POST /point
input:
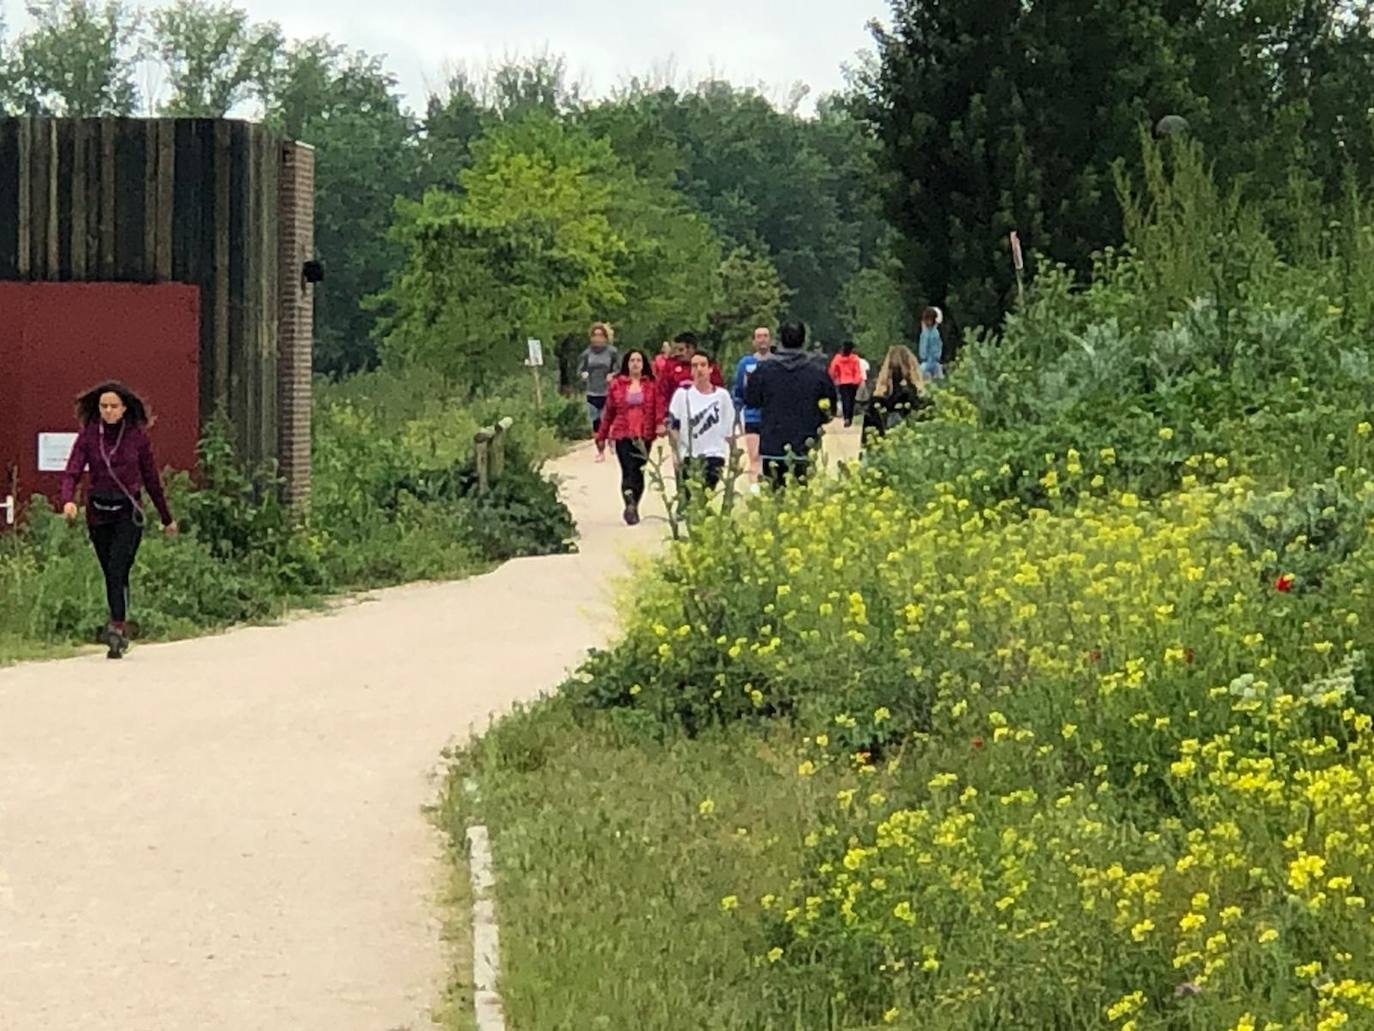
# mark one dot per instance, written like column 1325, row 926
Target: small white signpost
column 53, row 451
column 535, row 361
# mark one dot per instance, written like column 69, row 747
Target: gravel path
column 226, row 834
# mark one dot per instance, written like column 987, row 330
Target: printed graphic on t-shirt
column 704, row 422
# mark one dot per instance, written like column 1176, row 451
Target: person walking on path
column 596, row 366
column 931, row 347
column 701, row 422
column 751, row 417
column 677, row 373
column 796, row 397
column 113, row 445
column 896, row 394
column 631, row 420
column 848, row 374
column 663, row 359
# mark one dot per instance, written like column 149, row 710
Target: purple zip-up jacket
column 131, row 461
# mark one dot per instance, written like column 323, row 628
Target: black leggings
column 848, row 392
column 116, row 545
column 596, row 407
column 633, row 455
column 706, row 471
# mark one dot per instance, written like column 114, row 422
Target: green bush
column 394, row 500
column 521, row 516
column 1074, row 668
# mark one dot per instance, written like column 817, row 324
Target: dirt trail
column 226, row 834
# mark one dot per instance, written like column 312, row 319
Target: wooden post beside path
column 490, row 453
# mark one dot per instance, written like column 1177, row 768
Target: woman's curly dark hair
column 88, row 404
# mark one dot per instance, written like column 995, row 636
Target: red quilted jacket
column 623, row 421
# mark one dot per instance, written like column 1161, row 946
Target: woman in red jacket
column 632, row 418
column 848, row 376
column 113, row 444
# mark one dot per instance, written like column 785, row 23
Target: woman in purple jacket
column 113, row 445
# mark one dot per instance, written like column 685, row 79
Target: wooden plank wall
column 160, row 200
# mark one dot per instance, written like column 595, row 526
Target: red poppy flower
column 1094, row 656
column 978, row 742
column 1284, row 584
column 1189, row 655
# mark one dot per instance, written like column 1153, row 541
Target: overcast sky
column 769, row 43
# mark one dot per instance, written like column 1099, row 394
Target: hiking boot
column 116, row 641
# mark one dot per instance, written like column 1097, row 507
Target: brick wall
column 296, row 223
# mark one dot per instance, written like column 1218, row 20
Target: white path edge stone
column 486, row 936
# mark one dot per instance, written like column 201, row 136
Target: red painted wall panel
column 58, row 340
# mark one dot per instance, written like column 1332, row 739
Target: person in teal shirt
column 930, row 350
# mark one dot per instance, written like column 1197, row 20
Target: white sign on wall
column 53, row 451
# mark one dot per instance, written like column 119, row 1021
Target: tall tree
column 457, row 115
column 1286, row 86
column 526, row 249
column 876, row 314
column 1008, row 114
column 78, row 58
column 749, row 294
column 345, row 104
column 537, row 84
column 669, row 263
column 215, row 57
column 790, row 189
column 8, row 85
column 546, row 232
column 454, row 120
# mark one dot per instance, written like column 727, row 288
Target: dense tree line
column 997, row 115
column 509, row 205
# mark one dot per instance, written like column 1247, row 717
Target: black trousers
column 691, row 471
column 777, row 471
column 596, row 406
column 848, row 392
column 116, row 545
column 633, row 456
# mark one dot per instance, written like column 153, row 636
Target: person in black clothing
column 896, row 394
column 796, row 397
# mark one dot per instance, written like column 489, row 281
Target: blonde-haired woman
column 897, row 393
column 596, row 366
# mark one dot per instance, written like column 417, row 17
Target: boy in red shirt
column 677, row 371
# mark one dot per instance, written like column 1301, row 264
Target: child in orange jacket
column 848, row 376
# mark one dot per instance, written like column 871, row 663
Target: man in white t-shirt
column 701, row 422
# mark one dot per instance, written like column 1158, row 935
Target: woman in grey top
column 596, row 366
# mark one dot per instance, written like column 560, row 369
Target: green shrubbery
column 394, row 500
column 1055, row 715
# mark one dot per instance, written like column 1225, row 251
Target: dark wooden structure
column 224, row 206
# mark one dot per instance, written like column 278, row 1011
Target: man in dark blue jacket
column 795, row 397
